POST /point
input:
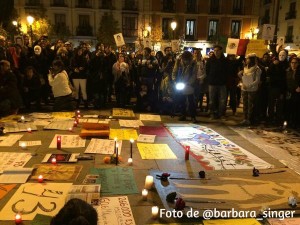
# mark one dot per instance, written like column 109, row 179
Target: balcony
column 83, row 5
column 214, row 10
column 289, row 39
column 237, row 11
column 84, row 31
column 130, row 5
column 60, row 4
column 192, row 10
column 291, row 15
column 130, row 32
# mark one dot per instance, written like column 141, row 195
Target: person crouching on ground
column 59, row 81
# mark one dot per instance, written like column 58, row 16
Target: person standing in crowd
column 109, row 60
column 262, row 94
column 147, row 68
column 217, row 73
column 79, row 67
column 120, row 71
column 250, row 77
column 185, row 71
column 234, row 67
column 201, row 87
column 76, row 212
column 96, row 80
column 292, row 111
column 277, row 88
column 10, row 99
column 41, row 64
column 32, row 88
column 60, row 83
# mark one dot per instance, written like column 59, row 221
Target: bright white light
column 180, row 86
column 173, row 25
column 30, row 20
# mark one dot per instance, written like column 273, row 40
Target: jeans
column 217, row 100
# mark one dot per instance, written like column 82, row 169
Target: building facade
column 205, row 20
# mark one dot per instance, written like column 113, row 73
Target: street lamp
column 254, row 32
column 30, row 20
column 173, row 26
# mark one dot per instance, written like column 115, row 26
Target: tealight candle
column 77, row 112
column 144, row 194
column 148, row 182
column 58, row 142
column 70, row 129
column 53, row 160
column 40, row 179
column 75, row 123
column 18, row 219
column 22, row 119
column 29, row 130
column 130, row 161
column 155, row 210
column 284, row 124
column 23, row 145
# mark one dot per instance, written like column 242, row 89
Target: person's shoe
column 245, row 123
column 194, row 120
column 182, row 118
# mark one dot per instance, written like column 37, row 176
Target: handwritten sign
column 68, row 141
column 116, row 181
column 155, row 151
column 13, row 160
column 60, row 125
column 33, row 198
column 131, row 123
column 122, row 113
column 150, row 117
column 18, row 127
column 115, row 211
column 102, row 146
column 123, row 134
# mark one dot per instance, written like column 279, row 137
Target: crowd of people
column 33, row 76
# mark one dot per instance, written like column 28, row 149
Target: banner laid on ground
column 214, row 151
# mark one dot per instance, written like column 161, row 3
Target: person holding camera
column 184, row 76
column 59, row 81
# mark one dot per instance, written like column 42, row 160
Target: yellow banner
column 122, row 113
column 251, row 221
column 257, row 46
column 63, row 115
column 155, row 151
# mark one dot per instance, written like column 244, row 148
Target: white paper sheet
column 10, row 140
column 103, row 146
column 68, row 141
column 15, row 176
column 30, row 143
column 150, row 117
column 131, row 123
column 13, row 159
column 60, row 125
column 146, row 138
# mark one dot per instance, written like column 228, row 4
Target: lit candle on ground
column 148, row 182
column 23, row 145
column 58, row 142
column 144, row 194
column 22, row 119
column 187, row 153
column 77, row 112
column 155, row 210
column 18, row 219
column 29, row 130
column 117, row 155
column 131, row 142
column 53, row 160
column 130, row 161
column 70, row 129
column 75, row 123
column 115, row 148
column 40, row 179
column 284, row 124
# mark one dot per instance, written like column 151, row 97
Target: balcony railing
column 84, row 5
column 291, row 15
column 59, row 4
column 130, row 32
column 84, row 31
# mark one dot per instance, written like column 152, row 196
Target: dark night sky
column 6, row 9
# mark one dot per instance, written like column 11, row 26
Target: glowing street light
column 173, row 26
column 30, row 21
